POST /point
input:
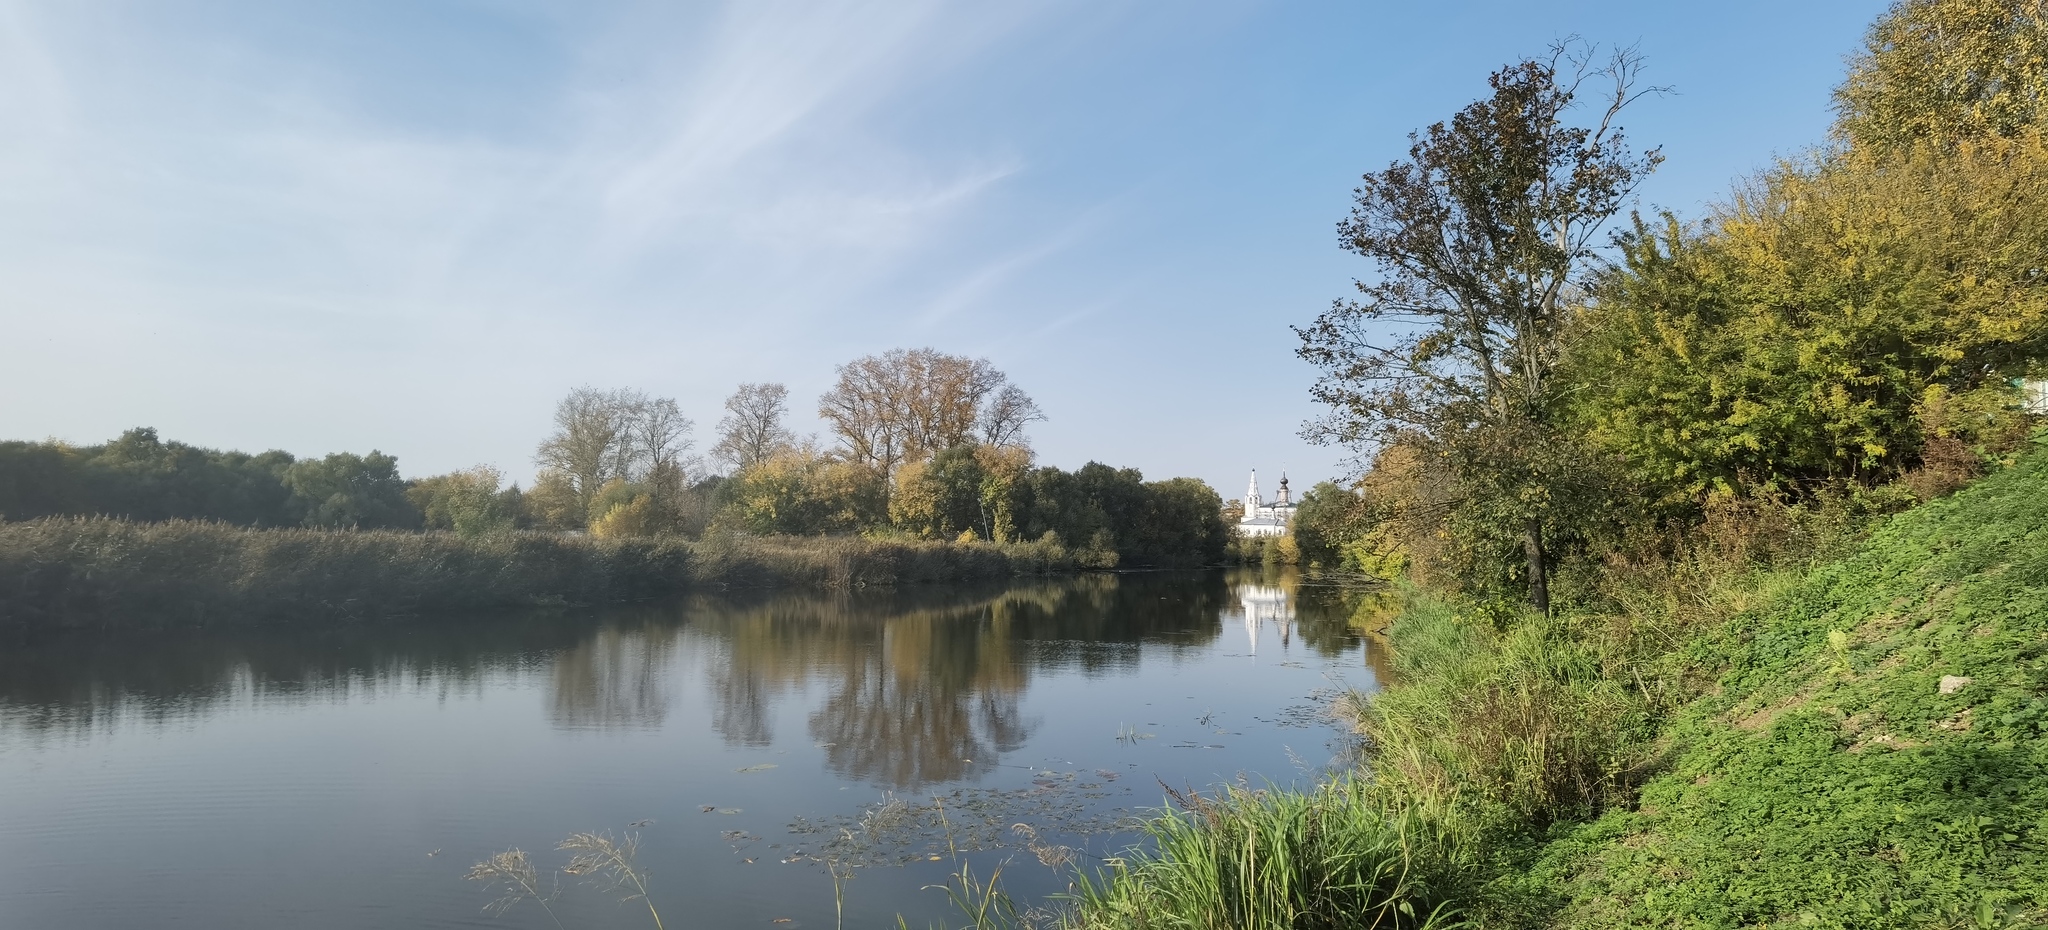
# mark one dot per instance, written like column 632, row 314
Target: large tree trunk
column 1539, row 566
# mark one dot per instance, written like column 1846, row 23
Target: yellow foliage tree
column 631, row 518
column 1939, row 72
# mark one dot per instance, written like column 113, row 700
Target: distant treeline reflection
column 915, row 682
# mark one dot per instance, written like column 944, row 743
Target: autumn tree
column 619, row 435
column 1482, row 238
column 803, row 491
column 908, row 404
column 1938, row 72
column 1834, row 321
column 1006, row 415
column 662, row 435
column 553, row 504
column 967, row 488
column 753, row 427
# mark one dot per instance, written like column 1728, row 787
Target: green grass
column 1824, row 779
column 1333, row 857
column 116, row 574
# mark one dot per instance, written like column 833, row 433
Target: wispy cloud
column 744, row 140
column 390, row 208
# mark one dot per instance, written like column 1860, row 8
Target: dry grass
column 597, row 859
column 60, row 571
column 512, row 875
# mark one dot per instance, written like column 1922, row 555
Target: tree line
column 922, row 444
column 1532, row 388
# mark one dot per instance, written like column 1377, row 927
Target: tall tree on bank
column 905, row 405
column 752, row 429
column 1006, row 415
column 619, row 435
column 1481, row 237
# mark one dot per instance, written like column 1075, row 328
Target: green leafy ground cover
column 1826, row 779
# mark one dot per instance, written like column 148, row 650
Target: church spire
column 1251, row 495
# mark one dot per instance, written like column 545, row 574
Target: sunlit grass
column 1332, row 857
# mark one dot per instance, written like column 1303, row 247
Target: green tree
column 1826, row 324
column 1328, row 519
column 349, row 491
column 1481, row 238
column 1180, row 522
column 468, row 502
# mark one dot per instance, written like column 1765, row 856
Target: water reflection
column 1331, row 616
column 615, row 677
column 903, row 688
column 919, row 690
column 1260, row 605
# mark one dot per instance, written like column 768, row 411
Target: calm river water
column 754, row 744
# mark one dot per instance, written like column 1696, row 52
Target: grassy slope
column 1826, row 781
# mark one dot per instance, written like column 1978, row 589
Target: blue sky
column 413, row 225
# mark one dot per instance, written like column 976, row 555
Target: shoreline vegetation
column 71, row 572
column 929, row 478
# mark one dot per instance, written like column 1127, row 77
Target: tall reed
column 1333, row 857
column 90, row 571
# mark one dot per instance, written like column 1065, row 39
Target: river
column 756, row 745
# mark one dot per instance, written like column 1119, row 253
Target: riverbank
column 95, row 572
column 1853, row 741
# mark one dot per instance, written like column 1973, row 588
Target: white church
column 1264, row 518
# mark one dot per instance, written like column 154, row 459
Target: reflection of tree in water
column 77, row 684
column 923, row 685
column 913, row 680
column 739, row 714
column 895, row 728
column 613, row 678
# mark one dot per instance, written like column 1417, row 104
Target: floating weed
column 896, row 830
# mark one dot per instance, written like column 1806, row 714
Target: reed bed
column 110, row 573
